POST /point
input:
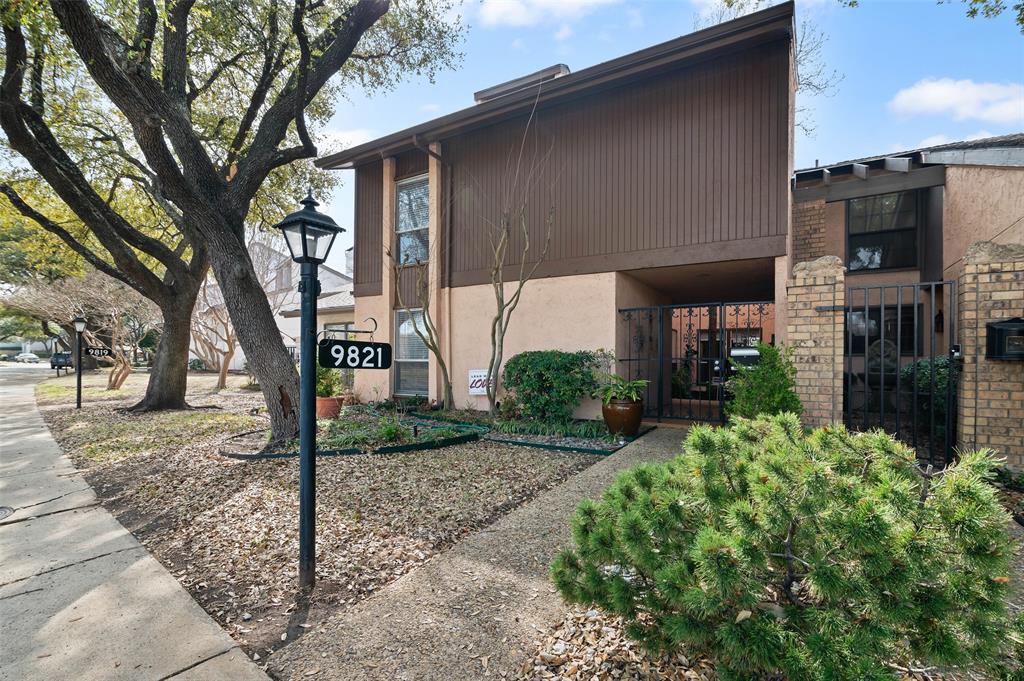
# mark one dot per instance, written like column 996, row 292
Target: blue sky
column 914, row 72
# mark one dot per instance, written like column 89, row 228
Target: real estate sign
column 478, row 381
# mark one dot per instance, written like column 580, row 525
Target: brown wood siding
column 410, row 164
column 691, row 166
column 369, row 216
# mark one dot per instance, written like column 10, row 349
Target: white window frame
column 397, row 359
column 425, row 229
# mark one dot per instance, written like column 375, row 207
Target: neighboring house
column 902, row 224
column 666, row 173
column 280, row 277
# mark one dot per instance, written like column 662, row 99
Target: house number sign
column 353, row 354
column 98, row 352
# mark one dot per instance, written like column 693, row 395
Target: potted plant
column 622, row 404
column 328, row 405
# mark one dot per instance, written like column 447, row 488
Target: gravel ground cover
column 227, row 529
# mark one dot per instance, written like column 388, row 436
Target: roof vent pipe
column 521, row 83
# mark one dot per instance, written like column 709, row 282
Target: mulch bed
column 228, row 529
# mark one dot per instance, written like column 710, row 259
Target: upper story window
column 881, row 231
column 412, row 217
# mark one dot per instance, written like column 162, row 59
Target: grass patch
column 120, row 436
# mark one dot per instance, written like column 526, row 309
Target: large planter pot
column 623, row 416
column 328, row 407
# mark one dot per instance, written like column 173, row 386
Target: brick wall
column 816, row 294
column 808, row 230
column 990, row 412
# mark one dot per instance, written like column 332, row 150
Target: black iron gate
column 684, row 353
column 901, row 364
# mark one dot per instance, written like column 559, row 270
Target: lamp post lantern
column 309, row 235
column 80, row 324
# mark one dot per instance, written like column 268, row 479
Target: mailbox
column 1005, row 339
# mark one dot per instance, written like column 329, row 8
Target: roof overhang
column 771, row 24
column 297, row 312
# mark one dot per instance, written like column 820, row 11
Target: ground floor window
column 410, row 361
column 898, row 326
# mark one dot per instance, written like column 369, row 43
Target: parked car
column 27, row 358
column 6, row 358
column 61, row 360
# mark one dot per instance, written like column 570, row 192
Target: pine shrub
column 766, row 387
column 821, row 556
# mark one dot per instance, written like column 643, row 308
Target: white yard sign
column 478, row 381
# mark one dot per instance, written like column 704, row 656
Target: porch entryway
column 901, row 364
column 684, row 352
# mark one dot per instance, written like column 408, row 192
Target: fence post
column 816, row 302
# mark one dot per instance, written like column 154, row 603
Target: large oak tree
column 216, row 95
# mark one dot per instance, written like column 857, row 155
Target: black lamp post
column 309, row 235
column 80, row 325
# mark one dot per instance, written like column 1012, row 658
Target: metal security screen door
column 684, row 351
column 900, row 372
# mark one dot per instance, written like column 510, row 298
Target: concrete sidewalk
column 80, row 598
column 473, row 611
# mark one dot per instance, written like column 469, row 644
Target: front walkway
column 80, row 598
column 474, row 610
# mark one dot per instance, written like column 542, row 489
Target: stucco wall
column 559, row 313
column 980, row 204
column 373, row 384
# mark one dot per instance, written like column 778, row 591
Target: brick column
column 990, row 409
column 809, row 230
column 816, row 296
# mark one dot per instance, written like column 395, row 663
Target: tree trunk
column 169, row 375
column 256, row 331
column 225, row 365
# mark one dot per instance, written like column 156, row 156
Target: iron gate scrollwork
column 684, row 352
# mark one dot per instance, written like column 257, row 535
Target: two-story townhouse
column 665, row 174
column 916, row 295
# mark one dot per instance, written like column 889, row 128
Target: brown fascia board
column 773, row 23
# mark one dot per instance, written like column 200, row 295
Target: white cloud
column 533, row 12
column 935, row 140
column 517, row 44
column 430, row 107
column 336, row 140
column 963, row 100
column 564, row 32
column 634, row 18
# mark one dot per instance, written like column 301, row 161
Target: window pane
column 412, row 247
column 413, row 205
column 410, row 346
column 899, row 324
column 873, row 251
column 411, row 378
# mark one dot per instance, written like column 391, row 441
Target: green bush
column 548, row 385
column 328, row 381
column 810, row 557
column 947, row 376
column 766, row 387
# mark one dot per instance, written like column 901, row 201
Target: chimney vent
column 521, row 83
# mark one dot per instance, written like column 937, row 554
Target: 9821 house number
column 353, row 354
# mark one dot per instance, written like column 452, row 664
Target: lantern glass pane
column 293, row 237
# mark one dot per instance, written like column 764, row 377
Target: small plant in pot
column 622, row 404
column 328, row 382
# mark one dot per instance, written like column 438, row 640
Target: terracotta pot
column 328, row 407
column 623, row 416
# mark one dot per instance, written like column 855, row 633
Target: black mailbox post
column 1005, row 339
